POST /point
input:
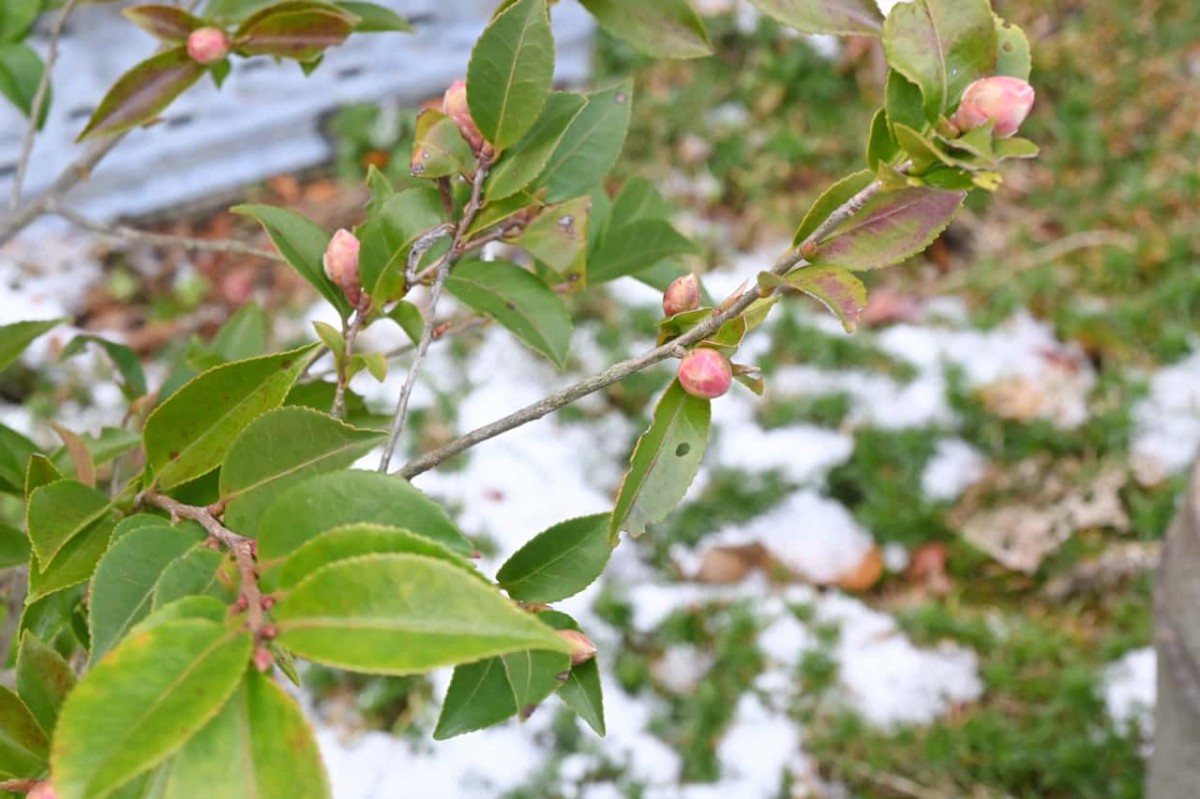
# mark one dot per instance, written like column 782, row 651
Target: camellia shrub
column 181, row 566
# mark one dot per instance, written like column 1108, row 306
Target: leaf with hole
column 557, row 237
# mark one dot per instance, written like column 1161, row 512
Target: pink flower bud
column 263, row 659
column 43, row 790
column 341, row 264
column 207, row 45
column 1001, row 99
column 582, row 648
column 705, row 373
column 682, row 295
column 454, row 105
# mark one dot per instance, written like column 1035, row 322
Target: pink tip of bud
column 263, row 659
column 341, row 264
column 207, row 45
column 1000, row 99
column 582, row 648
column 454, row 105
column 705, row 373
column 43, row 790
column 682, row 295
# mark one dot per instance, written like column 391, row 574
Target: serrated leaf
column 1015, row 147
column 835, row 288
column 353, row 540
column 60, row 511
column 663, row 29
column 350, row 615
column 519, row 301
column 479, row 696
column 581, row 692
column 439, row 149
column 295, row 29
column 44, row 679
column 188, row 608
column 558, row 562
column 15, row 453
column 637, row 200
column 16, row 337
column 282, row 448
column 195, row 572
column 890, row 227
column 126, row 361
column 23, row 743
column 533, row 676
column 302, row 244
column 388, row 238
column 21, row 71
column 143, row 92
column 664, row 462
column 167, row 23
column 903, row 102
column 331, row 500
column 557, row 237
column 591, row 145
column 525, row 160
column 635, row 247
column 125, row 579
column 839, row 17
column 511, row 71
column 41, row 471
column 941, row 46
column 75, row 562
column 263, row 731
column 374, row 18
column 834, row 197
column 881, row 145
column 143, row 702
column 1013, row 58
column 190, row 434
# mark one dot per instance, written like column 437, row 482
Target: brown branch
column 350, row 333
column 620, row 371
column 19, row 785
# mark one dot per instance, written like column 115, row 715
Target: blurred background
column 919, row 566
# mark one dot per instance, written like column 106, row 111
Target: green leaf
column 524, row 162
column 1013, row 58
column 663, row 29
column 889, row 228
column 533, row 676
column 188, row 608
column 664, row 463
column 44, row 679
column 125, row 579
column 353, row 540
column 167, row 23
column 190, row 434
column 112, row 443
column 386, row 241
column 244, row 335
column 41, row 471
column 16, row 337
column 408, row 317
column 15, row 452
column 591, row 145
column 23, row 743
column 903, row 101
column 635, row 247
column 152, row 693
column 48, row 616
column 557, row 237
column 302, row 244
column 126, row 361
column 143, row 92
column 439, row 149
column 519, row 206
column 20, row 75
column 402, row 614
column 558, row 562
column 75, row 562
column 834, row 197
column 14, row 547
column 331, row 500
column 60, row 511
column 638, row 199
column 835, row 288
column 942, row 46
column 479, row 696
column 373, row 18
column 16, row 17
column 518, row 300
column 845, row 17
column 1015, row 147
column 261, row 730
column 581, row 692
column 194, row 572
column 297, row 29
column 510, row 72
column 881, row 145
column 282, row 448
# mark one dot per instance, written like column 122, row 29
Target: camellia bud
column 454, row 105
column 582, row 648
column 263, row 659
column 682, row 295
column 43, row 790
column 207, row 45
column 705, row 373
column 1000, row 99
column 341, row 264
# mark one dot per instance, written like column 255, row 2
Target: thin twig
column 243, row 550
column 126, row 233
column 419, row 248
column 35, row 108
column 350, row 332
column 22, row 785
column 620, row 371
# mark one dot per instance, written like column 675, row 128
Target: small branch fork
column 350, row 332
column 244, row 554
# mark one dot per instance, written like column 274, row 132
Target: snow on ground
column 955, row 465
column 1129, row 690
column 1167, row 421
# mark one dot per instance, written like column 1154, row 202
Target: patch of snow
column 955, row 465
column 803, row 453
column 681, row 668
column 1130, row 690
column 895, row 558
column 876, row 399
column 1167, row 421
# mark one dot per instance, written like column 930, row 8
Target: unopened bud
column 267, row 602
column 207, row 45
column 1000, row 99
column 263, row 659
column 341, row 264
column 240, row 605
column 705, row 373
column 268, row 631
column 682, row 295
column 582, row 648
column 454, row 105
column 43, row 790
